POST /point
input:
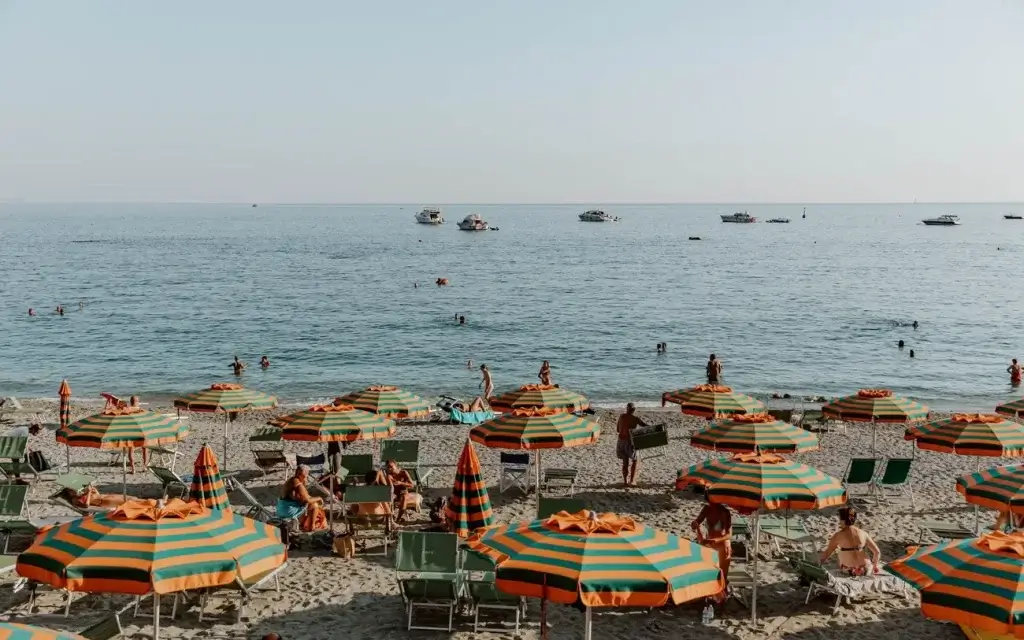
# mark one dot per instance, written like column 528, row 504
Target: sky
column 512, row 101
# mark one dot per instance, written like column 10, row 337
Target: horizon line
column 499, row 204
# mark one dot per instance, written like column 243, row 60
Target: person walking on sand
column 487, row 383
column 624, row 447
column 238, row 366
column 1015, row 372
column 714, row 368
column 545, row 373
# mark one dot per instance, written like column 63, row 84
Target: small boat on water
column 945, row 220
column 473, row 222
column 1012, row 216
column 595, row 215
column 429, row 216
column 779, row 221
column 742, row 217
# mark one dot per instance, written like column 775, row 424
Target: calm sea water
column 172, row 292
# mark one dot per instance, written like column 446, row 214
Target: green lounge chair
column 821, row 580
column 559, row 480
column 784, row 415
column 268, row 451
column 860, row 472
column 243, row 589
column 516, row 471
column 944, row 531
column 427, row 567
column 789, row 531
column 478, row 573
column 257, row 510
column 171, row 481
column 358, row 465
column 407, row 454
column 106, row 629
column 550, row 506
column 13, row 461
column 368, row 494
column 895, row 475
column 651, row 437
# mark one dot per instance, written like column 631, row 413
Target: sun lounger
column 784, row 415
column 11, row 410
column 516, row 471
column 458, row 416
column 824, row 581
column 787, row 531
column 478, row 573
column 268, row 451
column 244, row 590
column 652, row 437
column 368, row 494
column 13, row 461
column 895, row 475
column 559, row 479
column 152, row 453
column 860, row 472
column 740, row 581
column 427, row 567
column 257, row 510
column 407, row 454
column 944, row 531
column 106, row 629
column 550, row 506
column 171, row 481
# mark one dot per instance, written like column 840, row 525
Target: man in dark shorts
column 624, row 447
column 714, row 370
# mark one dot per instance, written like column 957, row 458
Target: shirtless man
column 238, row 366
column 624, row 447
column 714, row 370
column 486, row 382
column 1015, row 372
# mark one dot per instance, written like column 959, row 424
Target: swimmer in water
column 900, row 344
column 238, row 366
column 264, row 362
column 462, row 319
column 911, row 353
column 915, row 324
column 469, row 364
column 658, row 347
column 31, row 312
column 415, row 286
column 1015, row 372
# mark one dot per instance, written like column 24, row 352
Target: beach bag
column 38, row 461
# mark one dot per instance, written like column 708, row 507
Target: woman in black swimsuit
column 851, row 542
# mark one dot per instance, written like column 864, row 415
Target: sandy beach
column 324, row 597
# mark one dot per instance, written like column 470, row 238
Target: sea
column 159, row 298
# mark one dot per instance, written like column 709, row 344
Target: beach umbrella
column 146, row 546
column 754, row 433
column 975, row 582
column 535, row 430
column 65, row 412
column 999, row 488
column 1014, row 409
column 532, row 396
column 469, row 507
column 123, row 428
column 388, row 401
column 598, row 560
column 751, row 483
column 227, row 398
column 874, row 406
column 207, row 485
column 712, row 401
column 13, row 631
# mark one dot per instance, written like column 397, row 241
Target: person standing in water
column 487, row 383
column 545, row 373
column 238, row 366
column 264, row 362
column 1015, row 372
column 714, row 370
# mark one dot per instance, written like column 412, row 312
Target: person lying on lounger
column 91, row 497
column 477, row 405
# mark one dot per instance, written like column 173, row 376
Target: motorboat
column 738, row 217
column 595, row 215
column 1012, row 216
column 472, row 222
column 779, row 221
column 430, row 216
column 945, row 220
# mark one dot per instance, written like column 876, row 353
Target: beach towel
column 289, row 509
column 315, row 518
column 469, row 417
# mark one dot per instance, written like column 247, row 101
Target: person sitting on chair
column 851, row 542
column 295, row 499
column 402, row 482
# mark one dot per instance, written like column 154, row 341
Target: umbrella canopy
column 975, row 582
column 753, row 433
column 545, row 428
column 999, row 488
column 469, row 507
column 1014, row 408
column 334, row 423
column 970, row 435
column 12, row 631
column 712, row 400
column 207, row 485
column 548, row 396
column 225, row 397
column 121, row 428
column 145, row 546
column 875, row 405
column 602, row 560
column 387, row 401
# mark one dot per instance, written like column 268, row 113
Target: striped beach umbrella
column 874, row 406
column 227, row 398
column 531, row 396
column 146, row 546
column 1014, row 408
column 751, row 483
column 598, row 560
column 388, row 401
column 334, row 423
column 65, row 414
column 207, row 485
column 999, row 488
column 469, row 507
column 754, row 433
column 975, row 582
column 970, row 435
column 13, row 631
column 712, row 401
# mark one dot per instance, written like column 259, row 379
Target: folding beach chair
column 407, row 454
column 944, row 531
column 516, row 471
column 358, row 465
column 368, row 495
column 783, row 415
column 787, row 531
column 244, row 590
column 316, row 463
column 559, row 480
column 895, row 475
column 106, row 629
column 11, row 410
column 427, row 568
column 821, row 580
column 812, row 419
column 652, row 437
column 171, row 481
column 478, row 573
column 13, row 461
column 268, row 450
column 860, row 472
column 257, row 510
column 550, row 506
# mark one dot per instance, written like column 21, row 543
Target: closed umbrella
column 754, row 433
column 712, row 401
column 470, row 506
column 65, row 412
column 388, row 401
column 226, row 398
column 548, row 396
column 875, row 406
column 207, row 485
column 14, row 631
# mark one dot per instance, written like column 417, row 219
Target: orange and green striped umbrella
column 207, row 485
column 970, row 435
column 753, row 433
column 1014, row 409
column 469, row 507
column 712, row 401
column 334, row 423
column 874, row 406
column 65, row 404
column 123, row 428
column 388, row 401
column 535, row 429
column 975, row 582
column 147, row 547
column 602, row 560
column 13, row 631
column 531, row 396
column 227, row 398
column 999, row 488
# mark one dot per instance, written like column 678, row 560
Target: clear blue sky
column 512, row 101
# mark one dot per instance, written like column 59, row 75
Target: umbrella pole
column 226, row 467
column 124, row 475
column 977, row 511
column 537, row 486
column 753, row 590
column 67, row 449
column 156, row 616
column 588, row 623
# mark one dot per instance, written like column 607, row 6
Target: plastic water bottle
column 708, row 615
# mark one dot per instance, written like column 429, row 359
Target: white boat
column 430, row 216
column 595, row 215
column 945, row 220
column 472, row 222
column 779, row 221
column 738, row 217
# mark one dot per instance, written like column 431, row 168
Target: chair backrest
column 358, row 464
column 896, row 471
column 860, row 470
column 814, row 415
column 165, row 475
column 12, row 499
column 812, row 570
column 251, row 499
column 401, row 451
column 785, row 415
column 12, row 447
column 266, row 434
column 318, row 460
column 367, row 494
column 551, row 506
column 427, row 552
column 476, row 561
column 517, row 459
column 649, row 439
column 74, row 481
column 106, row 629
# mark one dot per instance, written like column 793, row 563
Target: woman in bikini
column 545, row 373
column 718, row 521
column 853, row 545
